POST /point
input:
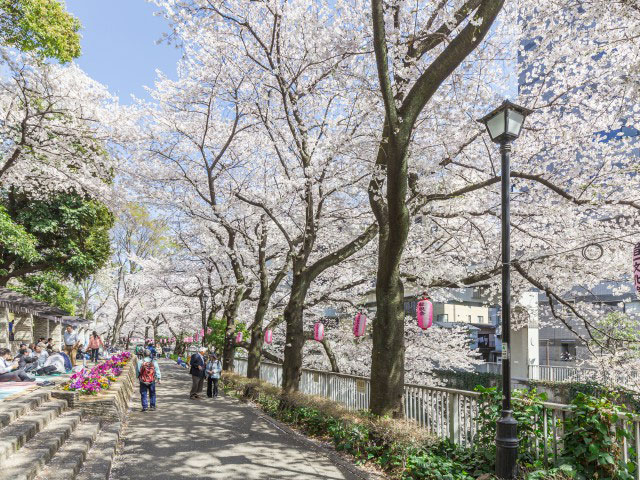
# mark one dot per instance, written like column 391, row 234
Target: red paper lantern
column 424, row 312
column 318, row 332
column 359, row 324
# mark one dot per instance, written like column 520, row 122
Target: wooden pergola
column 30, row 319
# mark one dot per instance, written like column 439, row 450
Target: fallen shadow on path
column 211, row 439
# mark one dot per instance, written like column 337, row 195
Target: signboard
column 636, row 267
column 361, row 386
column 505, row 351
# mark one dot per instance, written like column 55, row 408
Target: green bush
column 527, row 410
column 468, row 380
column 592, row 447
column 593, row 443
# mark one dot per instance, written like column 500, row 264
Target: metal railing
column 444, row 412
column 552, row 373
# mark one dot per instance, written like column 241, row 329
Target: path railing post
column 454, row 417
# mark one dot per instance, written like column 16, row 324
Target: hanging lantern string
column 582, row 247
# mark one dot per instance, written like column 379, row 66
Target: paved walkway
column 219, row 438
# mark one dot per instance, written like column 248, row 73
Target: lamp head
column 505, row 122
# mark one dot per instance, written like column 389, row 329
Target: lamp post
column 504, row 125
column 205, row 323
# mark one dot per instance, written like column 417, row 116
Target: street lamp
column 504, row 125
column 205, row 319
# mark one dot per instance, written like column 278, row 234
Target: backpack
column 147, row 373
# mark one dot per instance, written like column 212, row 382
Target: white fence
column 551, row 373
column 445, row 412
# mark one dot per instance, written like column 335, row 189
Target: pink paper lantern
column 239, row 337
column 188, row 340
column 636, row 267
column 424, row 312
column 196, row 337
column 318, row 332
column 209, row 331
column 202, row 332
column 359, row 324
column 268, row 336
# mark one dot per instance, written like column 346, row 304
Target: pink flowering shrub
column 99, row 377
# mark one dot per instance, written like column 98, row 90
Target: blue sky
column 119, row 44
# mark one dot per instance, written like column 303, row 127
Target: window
column 567, row 351
column 480, row 319
column 442, row 317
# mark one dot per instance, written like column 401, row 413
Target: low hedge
column 401, row 449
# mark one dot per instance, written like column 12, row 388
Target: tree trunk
column 292, row 365
column 257, row 341
column 387, row 356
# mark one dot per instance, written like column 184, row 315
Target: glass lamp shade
column 505, row 122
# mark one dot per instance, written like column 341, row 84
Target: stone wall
column 4, row 328
column 22, row 328
column 55, row 332
column 41, row 327
column 109, row 405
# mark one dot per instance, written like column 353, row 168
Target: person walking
column 71, row 344
column 148, row 374
column 214, row 368
column 95, row 342
column 197, row 372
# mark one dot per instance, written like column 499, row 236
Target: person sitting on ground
column 41, row 355
column 10, row 371
column 55, row 363
column 24, row 359
column 197, row 372
column 148, row 373
column 214, row 368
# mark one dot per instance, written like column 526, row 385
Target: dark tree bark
column 266, row 292
column 390, row 208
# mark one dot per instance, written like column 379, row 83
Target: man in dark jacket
column 25, row 359
column 197, row 372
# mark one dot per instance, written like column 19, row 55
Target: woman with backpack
column 213, row 375
column 148, row 373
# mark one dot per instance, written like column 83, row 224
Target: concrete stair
column 10, row 411
column 97, row 465
column 26, row 426
column 42, row 439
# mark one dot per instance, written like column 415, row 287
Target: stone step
column 14, row 409
column 97, row 465
column 20, row 431
column 31, row 459
column 66, row 463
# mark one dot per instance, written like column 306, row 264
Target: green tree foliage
column 47, row 287
column 71, row 235
column 15, row 240
column 40, row 26
column 218, row 328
